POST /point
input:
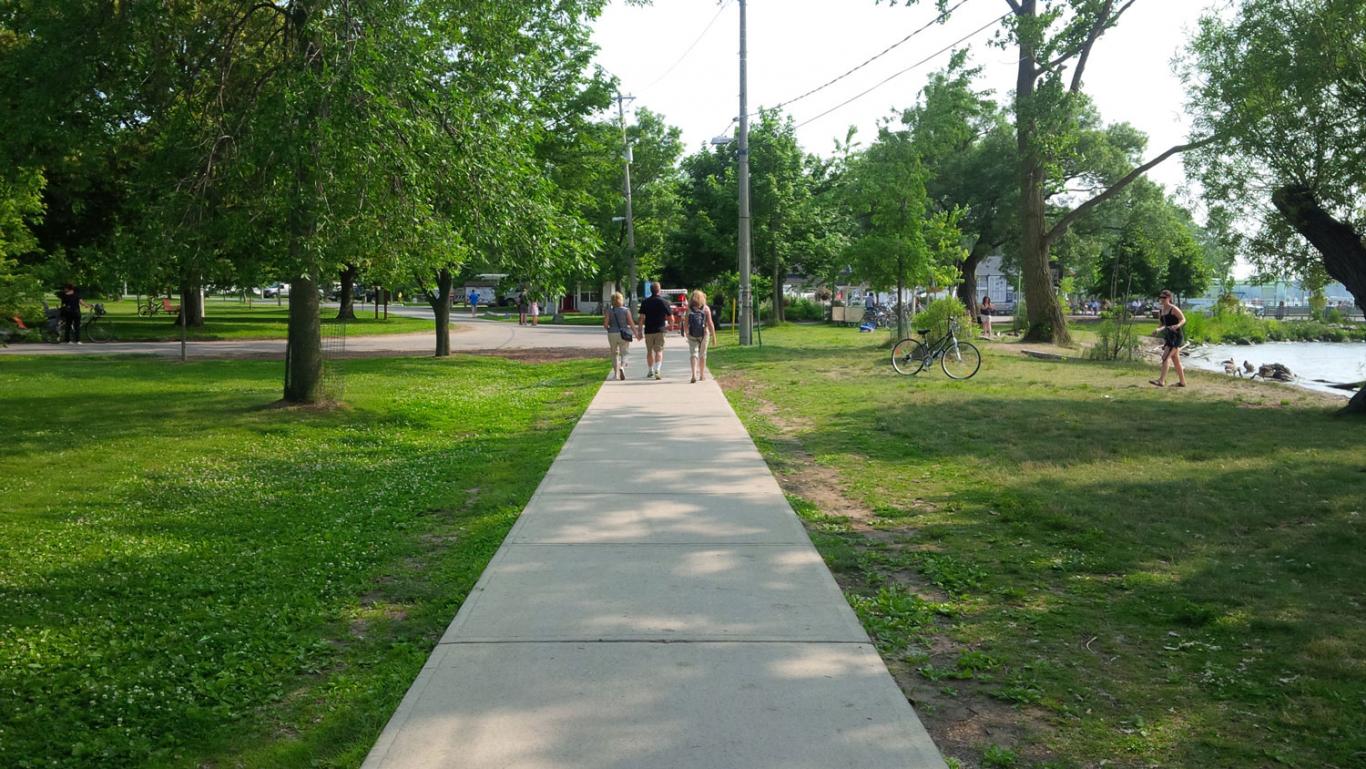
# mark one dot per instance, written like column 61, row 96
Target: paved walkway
column 657, row 606
column 467, row 334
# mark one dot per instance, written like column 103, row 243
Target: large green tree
column 901, row 240
column 1054, row 40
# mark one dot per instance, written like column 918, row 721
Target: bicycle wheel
column 97, row 331
column 908, row 357
column 50, row 335
column 961, row 360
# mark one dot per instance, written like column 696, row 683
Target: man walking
column 654, row 320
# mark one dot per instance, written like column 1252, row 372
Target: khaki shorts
column 654, row 342
column 697, row 347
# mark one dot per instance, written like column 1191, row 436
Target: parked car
column 275, row 290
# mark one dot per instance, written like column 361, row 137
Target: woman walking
column 617, row 321
column 1172, row 340
column 699, row 325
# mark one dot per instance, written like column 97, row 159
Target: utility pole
column 746, row 300
column 630, row 217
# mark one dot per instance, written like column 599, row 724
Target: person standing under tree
column 521, row 307
column 984, row 315
column 699, row 326
column 71, row 313
column 652, row 323
column 1172, row 340
column 474, row 303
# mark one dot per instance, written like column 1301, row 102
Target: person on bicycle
column 71, row 313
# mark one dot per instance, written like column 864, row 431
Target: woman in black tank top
column 1172, row 339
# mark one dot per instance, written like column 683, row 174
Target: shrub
column 1117, row 339
column 805, row 309
column 935, row 317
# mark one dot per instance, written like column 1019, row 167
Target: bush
column 1117, row 339
column 805, row 309
column 935, row 317
column 1246, row 329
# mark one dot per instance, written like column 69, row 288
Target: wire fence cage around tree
column 334, row 349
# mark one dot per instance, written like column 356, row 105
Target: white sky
column 795, row 45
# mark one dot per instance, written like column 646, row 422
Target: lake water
column 1331, row 362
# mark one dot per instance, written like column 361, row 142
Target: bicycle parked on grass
column 960, row 360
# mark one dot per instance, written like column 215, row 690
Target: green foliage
column 1117, row 338
column 1274, row 80
column 936, row 315
column 1241, row 328
column 998, row 757
column 805, row 309
column 226, row 585
column 21, row 294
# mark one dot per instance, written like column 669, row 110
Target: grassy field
column 1066, row 567
column 235, row 320
column 191, row 579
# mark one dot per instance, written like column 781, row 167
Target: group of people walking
column 699, row 327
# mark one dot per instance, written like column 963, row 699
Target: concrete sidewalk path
column 657, row 606
column 467, row 335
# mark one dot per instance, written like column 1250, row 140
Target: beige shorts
column 654, row 342
column 618, row 345
column 697, row 346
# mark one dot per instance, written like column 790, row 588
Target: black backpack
column 697, row 323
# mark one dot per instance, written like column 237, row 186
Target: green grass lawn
column 1066, row 567
column 235, row 320
column 189, row 579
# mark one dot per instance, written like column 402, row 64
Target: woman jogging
column 617, row 321
column 1172, row 339
column 699, row 326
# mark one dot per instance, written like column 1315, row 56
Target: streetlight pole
column 630, row 218
column 746, row 299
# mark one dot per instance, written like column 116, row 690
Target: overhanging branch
column 1072, row 216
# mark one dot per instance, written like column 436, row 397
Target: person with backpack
column 699, row 325
column 617, row 321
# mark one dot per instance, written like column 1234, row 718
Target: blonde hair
column 617, row 299
column 699, row 299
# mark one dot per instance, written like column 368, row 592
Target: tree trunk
column 304, row 351
column 777, row 291
column 898, row 306
column 441, row 309
column 1340, row 245
column 967, row 290
column 348, row 293
column 192, row 302
column 1046, row 321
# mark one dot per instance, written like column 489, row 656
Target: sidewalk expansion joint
column 657, row 641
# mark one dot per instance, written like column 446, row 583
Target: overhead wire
column 941, row 17
column 920, row 63
column 724, row 5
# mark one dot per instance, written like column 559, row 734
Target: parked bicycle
column 960, row 360
column 94, row 326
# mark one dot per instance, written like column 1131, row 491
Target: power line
column 724, row 5
column 875, row 57
column 920, row 63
